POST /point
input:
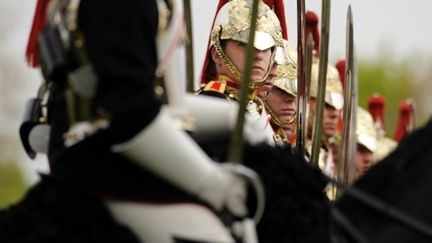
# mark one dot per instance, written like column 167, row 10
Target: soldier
column 109, row 133
column 277, row 167
column 333, row 99
column 367, row 141
column 376, row 107
column 223, row 68
column 281, row 101
column 332, row 111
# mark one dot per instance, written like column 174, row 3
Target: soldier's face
column 236, row 51
column 263, row 90
column 284, row 105
column 330, row 120
column 364, row 159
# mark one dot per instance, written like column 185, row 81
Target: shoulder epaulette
column 215, row 86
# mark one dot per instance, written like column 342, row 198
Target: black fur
column 53, row 212
column 402, row 180
column 297, row 209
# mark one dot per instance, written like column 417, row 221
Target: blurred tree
column 12, row 184
column 396, row 80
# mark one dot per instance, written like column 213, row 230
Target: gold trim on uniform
column 222, row 85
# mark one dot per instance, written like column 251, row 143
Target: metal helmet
column 365, row 131
column 232, row 22
column 333, row 90
column 286, row 78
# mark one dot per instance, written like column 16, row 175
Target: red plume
column 376, row 106
column 340, row 65
column 207, row 57
column 39, row 22
column 406, row 120
column 279, row 9
column 312, row 28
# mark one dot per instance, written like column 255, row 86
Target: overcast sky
column 401, row 25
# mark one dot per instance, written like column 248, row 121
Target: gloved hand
column 257, row 128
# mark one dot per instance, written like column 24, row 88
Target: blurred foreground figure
column 109, row 133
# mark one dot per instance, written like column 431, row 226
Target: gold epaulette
column 222, row 86
column 215, row 86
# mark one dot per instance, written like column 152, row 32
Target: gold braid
column 227, row 62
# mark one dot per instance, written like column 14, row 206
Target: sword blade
column 322, row 80
column 189, row 46
column 236, row 143
column 301, row 75
column 349, row 144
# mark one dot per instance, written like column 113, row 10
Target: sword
column 235, row 152
column 309, row 50
column 348, row 146
column 322, row 79
column 236, row 144
column 189, row 46
column 301, row 75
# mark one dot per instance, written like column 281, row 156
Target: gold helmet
column 365, row 131
column 286, row 78
column 233, row 23
column 333, row 90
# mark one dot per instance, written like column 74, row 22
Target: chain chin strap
column 275, row 117
column 226, row 61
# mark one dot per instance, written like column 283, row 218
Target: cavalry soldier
column 376, row 107
column 281, row 101
column 333, row 99
column 277, row 167
column 224, row 64
column 332, row 111
column 367, row 141
column 100, row 66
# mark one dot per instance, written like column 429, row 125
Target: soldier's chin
column 257, row 74
column 330, row 131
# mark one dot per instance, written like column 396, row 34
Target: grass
column 12, row 184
